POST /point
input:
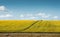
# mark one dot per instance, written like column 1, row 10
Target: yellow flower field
column 29, row 25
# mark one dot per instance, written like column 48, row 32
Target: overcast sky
column 29, row 9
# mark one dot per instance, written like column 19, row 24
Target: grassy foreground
column 29, row 26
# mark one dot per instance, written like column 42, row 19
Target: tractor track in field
column 31, row 25
column 43, row 26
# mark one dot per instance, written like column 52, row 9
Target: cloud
column 38, row 16
column 26, row 15
column 43, row 15
column 2, row 8
column 55, row 17
column 47, row 16
column 4, row 16
column 33, row 17
column 29, row 15
column 21, row 15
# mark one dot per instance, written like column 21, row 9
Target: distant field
column 29, row 26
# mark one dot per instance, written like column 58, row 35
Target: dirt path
column 29, row 34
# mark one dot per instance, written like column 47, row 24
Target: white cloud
column 43, row 15
column 32, row 17
column 40, row 14
column 7, row 15
column 55, row 17
column 21, row 15
column 29, row 15
column 2, row 8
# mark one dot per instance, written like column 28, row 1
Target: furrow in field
column 42, row 26
column 34, row 27
column 48, row 27
column 29, row 26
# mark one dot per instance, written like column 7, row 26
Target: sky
column 29, row 9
